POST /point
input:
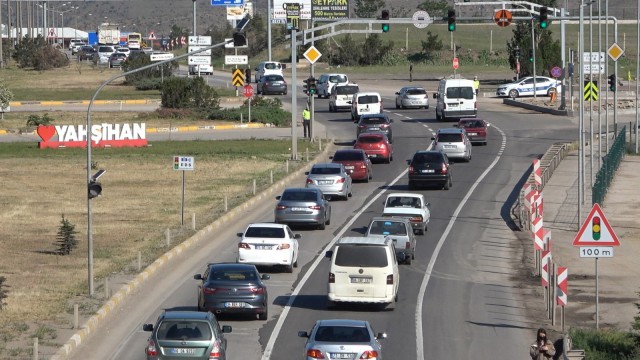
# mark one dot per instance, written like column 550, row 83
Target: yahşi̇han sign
column 101, row 135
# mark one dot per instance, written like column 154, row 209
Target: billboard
column 329, row 9
column 280, row 9
column 238, row 12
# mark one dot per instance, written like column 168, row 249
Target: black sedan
column 272, row 84
column 232, row 288
column 86, row 53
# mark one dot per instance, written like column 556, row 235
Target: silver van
column 326, row 83
column 341, row 96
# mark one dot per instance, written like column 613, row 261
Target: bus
column 134, row 40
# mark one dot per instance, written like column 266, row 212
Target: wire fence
column 610, row 164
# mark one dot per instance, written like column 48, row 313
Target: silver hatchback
column 453, row 142
column 400, row 231
column 331, row 178
column 302, row 206
column 342, row 339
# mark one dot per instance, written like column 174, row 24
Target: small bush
column 66, row 237
column 189, row 93
column 605, row 344
column 148, row 84
column 262, row 114
column 170, row 113
column 35, row 120
column 3, row 291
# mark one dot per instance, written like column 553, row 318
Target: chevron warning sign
column 237, row 79
column 590, row 90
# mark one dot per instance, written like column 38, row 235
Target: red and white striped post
column 527, row 200
column 539, row 205
column 563, row 286
column 532, row 207
column 537, row 241
column 537, row 174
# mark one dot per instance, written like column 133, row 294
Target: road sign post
column 247, row 90
column 183, row 163
column 503, row 18
column 456, row 64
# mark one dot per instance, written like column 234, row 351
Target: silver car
column 302, row 206
column 453, row 142
column 331, row 178
column 401, row 233
column 412, row 96
column 342, row 339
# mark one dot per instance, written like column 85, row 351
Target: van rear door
column 360, row 271
column 460, row 101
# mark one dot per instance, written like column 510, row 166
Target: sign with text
column 293, row 15
column 280, row 9
column 199, row 60
column 236, row 59
column 196, row 48
column 161, row 57
column 100, row 135
column 239, row 12
column 329, row 9
column 226, row 2
column 199, row 40
column 183, row 163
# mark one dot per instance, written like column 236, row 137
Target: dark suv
column 186, row 334
column 429, row 168
column 375, row 123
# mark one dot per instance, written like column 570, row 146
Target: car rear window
column 347, row 156
column 325, row 170
column 299, row 196
column 337, row 78
column 416, row 92
column 342, row 334
column 232, row 275
column 373, row 120
column 464, row 92
column 450, row 137
column 105, row 49
column 369, row 139
column 183, row 330
column 380, row 227
column 368, row 99
column 361, row 256
column 272, row 66
column 471, row 123
column 424, row 158
column 274, row 78
column 403, row 201
column 347, row 90
column 264, row 232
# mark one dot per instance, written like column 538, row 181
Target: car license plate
column 349, row 167
column 449, row 146
column 325, row 182
column 360, row 280
column 428, row 171
column 263, row 247
column 473, row 133
column 342, row 355
column 298, row 209
column 182, row 351
column 234, row 304
column 452, row 105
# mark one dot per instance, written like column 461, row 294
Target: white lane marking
column 436, row 251
column 276, row 330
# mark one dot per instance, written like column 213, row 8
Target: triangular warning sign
column 596, row 231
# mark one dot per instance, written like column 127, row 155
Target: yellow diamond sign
column 312, row 54
column 615, row 52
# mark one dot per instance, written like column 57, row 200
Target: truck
column 108, row 34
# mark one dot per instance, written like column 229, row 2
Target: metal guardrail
column 610, row 164
column 568, row 353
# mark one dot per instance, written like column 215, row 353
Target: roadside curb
column 94, row 321
column 108, row 102
column 541, row 109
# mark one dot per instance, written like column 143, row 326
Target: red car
column 356, row 162
column 376, row 146
column 477, row 129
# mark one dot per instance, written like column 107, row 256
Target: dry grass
column 141, row 198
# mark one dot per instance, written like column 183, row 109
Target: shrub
column 35, row 120
column 66, row 237
column 170, row 113
column 149, row 84
column 262, row 114
column 36, row 53
column 605, row 344
column 189, row 93
column 3, row 291
column 138, row 60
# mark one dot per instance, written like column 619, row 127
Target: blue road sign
column 227, row 2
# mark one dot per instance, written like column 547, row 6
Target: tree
column 36, row 53
column 66, row 237
column 5, row 96
column 368, row 8
column 435, row 7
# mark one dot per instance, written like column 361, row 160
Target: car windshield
column 368, row 99
column 346, row 90
column 471, row 123
column 463, row 92
column 347, row 156
column 299, row 196
column 416, row 92
column 232, row 275
column 183, row 330
column 342, row 334
column 361, row 256
column 402, row 201
column 430, row 158
column 388, row 228
column 337, row 78
column 449, row 137
column 264, row 232
column 373, row 120
column 325, row 170
column 274, row 78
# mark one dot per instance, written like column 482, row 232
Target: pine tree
column 66, row 237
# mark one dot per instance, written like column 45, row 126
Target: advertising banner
column 329, row 9
column 280, row 9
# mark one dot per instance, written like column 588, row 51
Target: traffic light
column 451, row 20
column 95, row 189
column 612, row 82
column 385, row 16
column 516, row 52
column 531, row 55
column 310, row 86
column 544, row 17
column 239, row 39
column 595, row 227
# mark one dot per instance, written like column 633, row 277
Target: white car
column 200, row 69
column 411, row 206
column 125, row 50
column 524, row 87
column 269, row 244
column 326, row 83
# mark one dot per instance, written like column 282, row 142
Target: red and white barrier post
column 562, row 288
column 537, row 174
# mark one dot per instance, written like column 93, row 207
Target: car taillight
column 332, row 278
column 416, row 219
column 341, row 180
column 315, row 207
column 151, row 349
column 363, row 166
column 215, row 351
column 209, row 291
column 475, row 105
column 244, row 246
column 411, row 170
column 362, row 126
column 315, row 354
column 384, row 126
column 407, row 245
column 382, row 145
column 257, row 290
column 444, row 168
column 389, row 279
column 283, row 246
column 309, row 181
column 369, row 354
column 280, row 207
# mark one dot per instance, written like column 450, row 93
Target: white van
column 363, row 270
column 269, row 68
column 326, row 83
column 202, row 69
column 340, row 98
column 455, row 98
column 365, row 103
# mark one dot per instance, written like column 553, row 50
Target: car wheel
column 412, row 186
column 388, row 160
column 397, row 106
column 447, row 184
column 295, row 263
column 331, row 304
column 265, row 314
column 420, row 231
column 426, row 107
column 350, row 193
column 513, row 93
column 328, row 222
column 484, row 143
column 288, row 269
column 408, row 260
column 322, row 226
column 284, row 93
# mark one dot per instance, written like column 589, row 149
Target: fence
column 610, row 164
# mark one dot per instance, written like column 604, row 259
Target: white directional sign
column 160, row 57
column 196, row 48
column 596, row 251
column 594, row 68
column 236, row 59
column 594, row 57
column 199, row 60
column 199, row 40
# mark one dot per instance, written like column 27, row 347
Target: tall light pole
column 194, row 19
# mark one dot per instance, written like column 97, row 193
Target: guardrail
column 568, row 353
column 610, row 164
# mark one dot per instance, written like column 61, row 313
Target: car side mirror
column 408, row 162
column 328, row 254
column 265, row 277
column 330, row 157
column 381, row 336
column 197, row 276
column 239, row 234
column 278, row 197
column 297, row 236
column 226, row 329
column 147, row 327
column 306, row 173
column 427, row 204
column 397, row 93
column 303, row 334
column 284, row 66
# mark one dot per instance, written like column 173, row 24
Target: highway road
column 458, row 300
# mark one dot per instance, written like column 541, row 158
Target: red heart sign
column 46, row 132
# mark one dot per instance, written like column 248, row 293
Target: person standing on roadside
column 306, row 122
column 410, row 72
column 542, row 348
column 476, row 84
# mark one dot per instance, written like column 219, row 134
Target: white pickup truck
column 411, row 206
